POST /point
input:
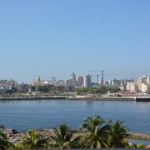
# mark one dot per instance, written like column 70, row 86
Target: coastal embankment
column 101, row 98
column 139, row 136
column 68, row 98
column 33, row 98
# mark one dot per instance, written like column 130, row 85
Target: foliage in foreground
column 4, row 144
column 62, row 138
column 94, row 133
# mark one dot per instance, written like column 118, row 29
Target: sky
column 49, row 38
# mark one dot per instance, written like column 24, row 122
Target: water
column 22, row 115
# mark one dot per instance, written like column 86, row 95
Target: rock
column 10, row 132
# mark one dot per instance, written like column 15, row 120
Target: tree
column 62, row 137
column 117, row 134
column 4, row 144
column 33, row 141
column 18, row 146
column 96, row 134
column 132, row 145
column 114, row 90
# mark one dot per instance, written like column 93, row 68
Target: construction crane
column 101, row 73
column 97, row 75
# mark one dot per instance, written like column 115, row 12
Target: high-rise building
column 87, row 81
column 116, row 83
column 80, row 81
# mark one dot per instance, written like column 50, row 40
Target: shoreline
column 103, row 98
column 33, row 98
column 84, row 98
column 68, row 98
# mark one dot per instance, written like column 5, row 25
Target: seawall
column 33, row 98
column 68, row 98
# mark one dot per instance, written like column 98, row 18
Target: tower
column 87, row 81
column 38, row 79
column 73, row 76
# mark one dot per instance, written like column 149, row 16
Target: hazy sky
column 55, row 37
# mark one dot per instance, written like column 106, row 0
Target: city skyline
column 95, row 78
column 55, row 38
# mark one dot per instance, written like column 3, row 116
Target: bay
column 32, row 114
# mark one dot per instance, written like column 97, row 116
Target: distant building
column 116, row 83
column 132, row 87
column 37, row 82
column 4, row 85
column 80, row 81
column 60, row 83
column 144, row 84
column 124, row 82
column 145, row 88
column 87, row 81
column 70, row 83
column 8, row 85
column 106, row 83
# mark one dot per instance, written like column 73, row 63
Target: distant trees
column 25, row 87
column 94, row 90
column 44, row 88
column 12, row 91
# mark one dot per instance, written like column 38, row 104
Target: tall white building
column 142, row 85
column 145, row 88
column 132, row 87
column 87, row 81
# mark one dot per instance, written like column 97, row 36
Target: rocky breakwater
column 139, row 136
column 17, row 137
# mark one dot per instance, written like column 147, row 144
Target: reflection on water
column 143, row 104
column 89, row 102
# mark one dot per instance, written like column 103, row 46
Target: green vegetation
column 4, row 144
column 94, row 133
column 62, row 138
column 95, row 90
column 45, row 88
column 117, row 134
column 33, row 141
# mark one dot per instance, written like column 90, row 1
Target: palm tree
column 96, row 134
column 3, row 139
column 33, row 141
column 117, row 134
column 62, row 138
column 132, row 145
column 18, row 146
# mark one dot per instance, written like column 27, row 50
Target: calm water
column 23, row 115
